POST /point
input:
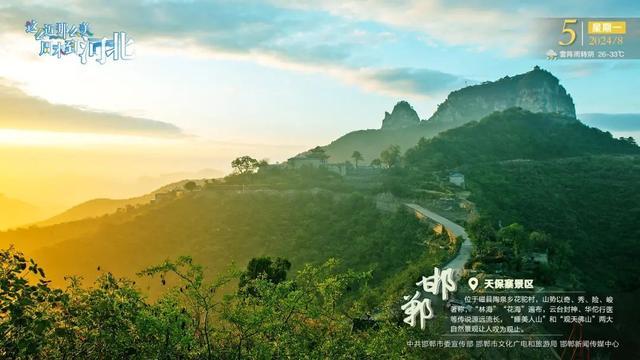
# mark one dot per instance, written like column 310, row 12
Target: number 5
column 571, row 32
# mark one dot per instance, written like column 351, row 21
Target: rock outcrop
column 402, row 116
column 537, row 91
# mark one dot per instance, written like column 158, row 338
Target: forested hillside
column 218, row 227
column 549, row 173
column 546, row 185
column 591, row 203
column 515, row 134
column 541, row 183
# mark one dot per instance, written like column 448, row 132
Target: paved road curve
column 464, row 254
column 465, row 249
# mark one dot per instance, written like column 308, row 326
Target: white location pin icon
column 473, row 283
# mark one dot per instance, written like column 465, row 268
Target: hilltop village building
column 167, row 196
column 344, row 168
column 457, row 179
column 299, row 161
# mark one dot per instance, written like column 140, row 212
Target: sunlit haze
column 212, row 80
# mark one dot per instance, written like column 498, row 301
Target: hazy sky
column 212, row 80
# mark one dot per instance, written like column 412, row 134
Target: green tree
column 319, row 153
column 244, row 165
column 190, row 186
column 540, row 241
column 515, row 238
column 307, row 316
column 26, row 314
column 313, row 315
column 264, row 267
column 357, row 156
column 390, row 156
column 629, row 140
column 199, row 295
column 483, row 233
column 263, row 164
column 376, row 163
column 111, row 320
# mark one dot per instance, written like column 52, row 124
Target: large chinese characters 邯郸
column 420, row 310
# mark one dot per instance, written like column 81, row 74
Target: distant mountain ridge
column 99, row 207
column 14, row 212
column 536, row 91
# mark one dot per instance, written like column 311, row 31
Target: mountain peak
column 403, row 115
column 537, row 91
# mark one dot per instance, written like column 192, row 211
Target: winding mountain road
column 464, row 254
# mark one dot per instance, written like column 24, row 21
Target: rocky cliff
column 537, row 91
column 402, row 116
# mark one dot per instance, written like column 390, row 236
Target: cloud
column 21, row 111
column 229, row 26
column 335, row 38
column 415, row 81
column 504, row 26
column 577, row 69
column 326, row 30
column 479, row 26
